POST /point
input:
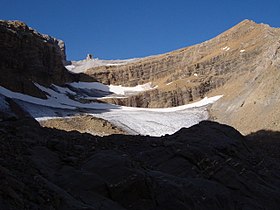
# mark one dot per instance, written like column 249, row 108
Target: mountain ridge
column 232, row 62
column 206, row 166
column 240, row 64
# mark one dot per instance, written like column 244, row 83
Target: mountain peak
column 247, row 22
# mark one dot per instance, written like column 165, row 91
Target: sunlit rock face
column 242, row 64
column 193, row 72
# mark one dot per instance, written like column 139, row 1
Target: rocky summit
column 28, row 57
column 66, row 126
column 242, row 64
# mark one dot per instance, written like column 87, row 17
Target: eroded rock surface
column 208, row 166
column 28, row 56
column 242, row 64
column 191, row 73
column 84, row 124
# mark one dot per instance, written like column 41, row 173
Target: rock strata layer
column 191, row 73
column 28, row 56
column 243, row 64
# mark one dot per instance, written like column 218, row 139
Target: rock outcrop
column 208, row 166
column 242, row 64
column 193, row 72
column 83, row 124
column 28, row 56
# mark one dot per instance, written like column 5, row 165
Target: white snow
column 169, row 83
column 195, row 74
column 226, row 48
column 145, row 121
column 154, row 123
column 70, row 67
column 158, row 121
column 205, row 101
column 242, row 51
column 84, row 65
column 55, row 100
column 116, row 89
column 50, row 102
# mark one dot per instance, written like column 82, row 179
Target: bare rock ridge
column 191, row 73
column 208, row 166
column 242, row 64
column 28, row 56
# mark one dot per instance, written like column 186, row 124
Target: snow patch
column 242, row 51
column 84, row 65
column 54, row 100
column 226, row 48
column 205, row 101
column 70, row 67
column 145, row 121
column 195, row 74
column 154, row 123
column 116, row 89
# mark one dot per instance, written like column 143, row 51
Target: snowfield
column 84, row 65
column 144, row 121
column 116, row 89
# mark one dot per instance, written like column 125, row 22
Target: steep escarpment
column 208, row 166
column 242, row 64
column 28, row 56
column 193, row 72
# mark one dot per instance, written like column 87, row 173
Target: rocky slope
column 195, row 70
column 28, row 56
column 242, row 64
column 83, row 124
column 208, row 166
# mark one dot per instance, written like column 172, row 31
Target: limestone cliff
column 193, row 72
column 28, row 56
column 242, row 64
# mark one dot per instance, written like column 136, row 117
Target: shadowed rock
column 207, row 166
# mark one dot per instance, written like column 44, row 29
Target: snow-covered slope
column 64, row 102
column 83, row 65
column 115, row 89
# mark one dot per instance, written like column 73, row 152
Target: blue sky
column 118, row 29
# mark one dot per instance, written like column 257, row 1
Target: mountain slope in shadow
column 207, row 166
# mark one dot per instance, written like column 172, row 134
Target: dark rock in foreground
column 208, row 166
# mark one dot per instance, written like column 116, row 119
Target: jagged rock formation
column 208, row 166
column 28, row 56
column 242, row 64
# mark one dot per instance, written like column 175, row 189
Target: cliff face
column 242, row 64
column 28, row 56
column 193, row 72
